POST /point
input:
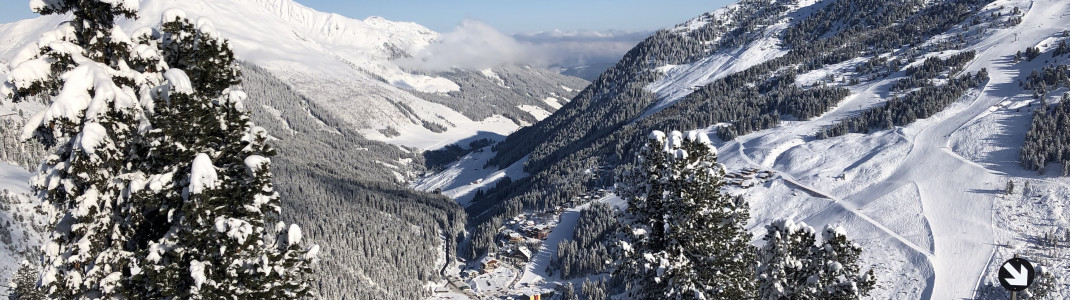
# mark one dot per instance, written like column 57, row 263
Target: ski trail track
column 956, row 193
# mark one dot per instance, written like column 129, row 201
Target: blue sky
column 565, row 34
column 512, row 16
column 14, row 10
column 508, row 16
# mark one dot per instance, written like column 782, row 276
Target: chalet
column 488, row 264
column 522, row 253
column 516, row 238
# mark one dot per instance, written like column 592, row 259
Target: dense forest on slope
column 588, row 251
column 602, row 122
column 927, row 100
column 346, row 207
column 12, row 149
column 502, row 90
column 1047, row 139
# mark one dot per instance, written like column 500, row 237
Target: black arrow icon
column 1016, row 274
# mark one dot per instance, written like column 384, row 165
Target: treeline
column 22, row 224
column 499, row 186
column 901, row 111
column 1062, row 48
column 436, row 159
column 329, row 179
column 588, row 250
column 1048, row 139
column 481, row 96
column 932, row 68
column 1048, row 78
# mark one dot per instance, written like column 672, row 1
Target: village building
column 488, row 264
column 522, row 253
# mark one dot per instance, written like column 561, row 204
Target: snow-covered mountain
column 346, row 65
column 867, row 114
column 350, row 126
column 793, row 88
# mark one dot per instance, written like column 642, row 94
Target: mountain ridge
column 315, row 51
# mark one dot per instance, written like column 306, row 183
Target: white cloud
column 476, row 45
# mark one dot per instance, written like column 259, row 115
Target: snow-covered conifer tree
column 23, row 284
column 568, row 292
column 709, row 225
column 793, row 266
column 594, row 290
column 221, row 240
column 160, row 182
column 1045, row 286
column 836, row 262
column 93, row 119
column 784, row 262
column 689, row 237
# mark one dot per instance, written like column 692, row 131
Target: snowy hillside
column 327, row 90
column 343, row 63
column 925, row 198
column 21, row 220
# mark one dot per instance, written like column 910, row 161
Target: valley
column 898, row 127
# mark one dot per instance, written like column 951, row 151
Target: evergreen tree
column 594, row 290
column 837, row 266
column 92, row 119
column 697, row 247
column 23, row 284
column 161, row 183
column 568, row 292
column 793, row 266
column 1045, row 286
column 784, row 261
column 220, row 239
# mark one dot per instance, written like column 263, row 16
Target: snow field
column 461, row 179
column 905, row 190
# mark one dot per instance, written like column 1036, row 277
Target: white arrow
column 1019, row 277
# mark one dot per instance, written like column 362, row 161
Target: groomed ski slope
column 924, row 200
column 904, row 192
